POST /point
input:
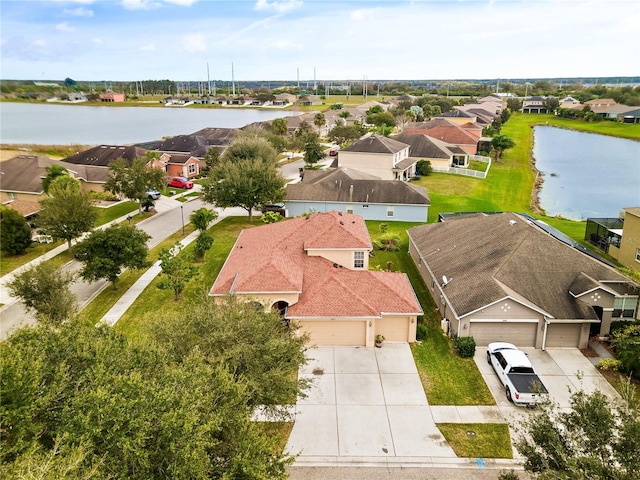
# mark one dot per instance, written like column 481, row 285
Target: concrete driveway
column 366, row 407
column 562, row 371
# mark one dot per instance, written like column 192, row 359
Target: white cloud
column 149, row 47
column 182, row 3
column 139, row 4
column 278, row 6
column 362, row 14
column 194, row 43
column 64, row 27
column 79, row 12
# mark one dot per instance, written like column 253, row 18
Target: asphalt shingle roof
column 376, row 144
column 488, row 257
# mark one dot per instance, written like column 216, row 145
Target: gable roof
column 421, row 145
column 455, row 114
column 103, row 155
column 375, row 144
column 273, row 259
column 195, row 145
column 450, row 134
column 346, row 185
column 217, row 136
column 489, row 257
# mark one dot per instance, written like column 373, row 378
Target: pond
column 585, row 174
column 48, row 124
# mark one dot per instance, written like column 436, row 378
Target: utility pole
column 208, row 81
column 233, row 82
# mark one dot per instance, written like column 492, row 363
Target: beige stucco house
column 314, row 271
column 619, row 237
column 382, row 157
column 503, row 277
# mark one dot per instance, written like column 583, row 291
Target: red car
column 180, row 182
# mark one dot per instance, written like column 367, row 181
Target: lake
column 585, row 174
column 51, row 124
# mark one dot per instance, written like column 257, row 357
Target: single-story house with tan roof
column 314, row 270
column 503, row 277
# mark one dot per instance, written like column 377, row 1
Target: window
column 12, row 195
column 358, row 259
column 625, row 307
column 349, row 208
column 389, row 211
column 192, row 168
column 637, row 254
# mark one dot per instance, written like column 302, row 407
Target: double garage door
column 335, row 332
column 524, row 334
column 521, row 334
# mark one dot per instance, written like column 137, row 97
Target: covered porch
column 604, row 232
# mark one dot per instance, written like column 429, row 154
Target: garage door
column 563, row 334
column 521, row 334
column 335, row 332
column 394, row 329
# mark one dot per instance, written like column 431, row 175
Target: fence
column 465, row 171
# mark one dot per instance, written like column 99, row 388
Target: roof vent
column 340, row 213
column 341, row 222
column 512, row 222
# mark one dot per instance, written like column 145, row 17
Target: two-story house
column 314, row 271
column 379, row 156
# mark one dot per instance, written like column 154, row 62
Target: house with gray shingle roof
column 502, row 277
column 351, row 191
column 441, row 154
column 314, row 271
column 382, row 157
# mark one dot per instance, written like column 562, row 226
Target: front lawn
column 106, row 215
column 8, row 263
column 478, row 440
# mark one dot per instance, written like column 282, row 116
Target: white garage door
column 335, row 332
column 394, row 329
column 521, row 334
column 563, row 334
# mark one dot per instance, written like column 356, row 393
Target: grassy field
column 478, row 440
column 8, row 263
column 106, row 215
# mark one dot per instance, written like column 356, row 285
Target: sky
column 127, row 40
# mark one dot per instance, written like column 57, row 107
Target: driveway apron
column 366, row 405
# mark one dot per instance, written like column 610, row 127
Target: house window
column 12, row 195
column 192, row 168
column 625, row 307
column 358, row 259
column 349, row 208
column 637, row 254
column 390, row 211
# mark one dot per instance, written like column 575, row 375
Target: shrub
column 421, row 331
column 609, row 364
column 383, row 227
column 202, row 245
column 14, row 231
column 618, row 325
column 466, row 346
column 508, row 475
column 271, row 217
column 387, row 243
column 424, row 168
column 106, row 196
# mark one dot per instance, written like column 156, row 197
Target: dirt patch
column 7, row 154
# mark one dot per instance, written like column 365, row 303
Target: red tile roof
column 273, row 259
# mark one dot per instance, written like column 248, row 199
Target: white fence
column 468, row 172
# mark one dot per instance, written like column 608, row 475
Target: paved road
column 390, row 473
column 165, row 223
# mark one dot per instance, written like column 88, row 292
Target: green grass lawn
column 106, row 215
column 153, row 299
column 478, row 440
column 8, row 263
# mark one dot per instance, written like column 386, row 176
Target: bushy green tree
column 68, row 212
column 212, row 157
column 15, row 233
column 342, row 134
column 203, row 243
column 595, row 439
column 254, row 345
column 279, row 126
column 424, row 168
column 313, row 151
column 247, row 176
column 382, row 118
column 106, row 253
column 627, row 345
column 130, row 409
column 44, row 290
column 177, row 268
column 132, row 181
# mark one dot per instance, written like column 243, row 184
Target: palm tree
column 500, row 143
column 202, row 218
column 53, row 172
column 319, row 120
